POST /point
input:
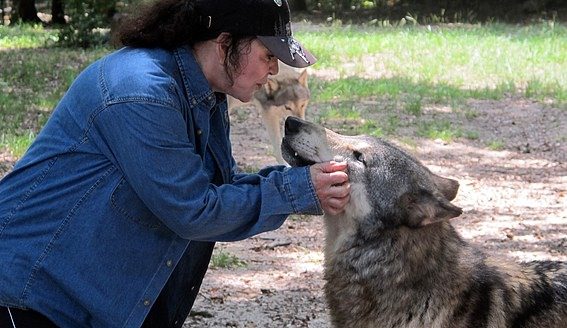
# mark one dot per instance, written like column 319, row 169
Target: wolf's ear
column 448, row 187
column 303, row 78
column 272, row 86
column 424, row 208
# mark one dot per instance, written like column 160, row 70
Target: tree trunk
column 27, row 11
column 298, row 5
column 2, row 6
column 57, row 12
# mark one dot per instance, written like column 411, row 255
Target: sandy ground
column 514, row 200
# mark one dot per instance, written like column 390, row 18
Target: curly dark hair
column 170, row 24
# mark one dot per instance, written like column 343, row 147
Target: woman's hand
column 331, row 185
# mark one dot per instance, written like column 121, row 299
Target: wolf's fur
column 394, row 260
column 285, row 94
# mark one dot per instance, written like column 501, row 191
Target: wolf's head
column 286, row 92
column 389, row 187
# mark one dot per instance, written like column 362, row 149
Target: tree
column 27, row 11
column 57, row 12
column 298, row 5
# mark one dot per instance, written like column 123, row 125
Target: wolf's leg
column 272, row 117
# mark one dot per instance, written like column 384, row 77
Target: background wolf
column 394, row 260
column 285, row 94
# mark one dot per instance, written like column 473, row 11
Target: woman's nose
column 274, row 66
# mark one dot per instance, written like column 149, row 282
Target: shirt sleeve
column 148, row 142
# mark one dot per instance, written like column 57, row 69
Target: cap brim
column 280, row 47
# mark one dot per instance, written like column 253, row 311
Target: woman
column 110, row 218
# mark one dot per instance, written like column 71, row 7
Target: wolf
column 285, row 94
column 393, row 259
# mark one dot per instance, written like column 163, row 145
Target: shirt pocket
column 127, row 203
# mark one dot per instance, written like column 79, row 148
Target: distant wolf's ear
column 272, row 86
column 448, row 187
column 303, row 78
column 424, row 208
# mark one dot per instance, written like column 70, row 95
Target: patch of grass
column 413, row 105
column 34, row 78
column 26, row 36
column 470, row 114
column 412, row 67
column 487, row 59
column 392, row 124
column 355, row 88
column 342, row 111
column 225, row 260
column 539, row 90
column 17, row 144
column 471, row 135
column 442, row 130
column 496, row 145
column 413, row 94
column 371, row 128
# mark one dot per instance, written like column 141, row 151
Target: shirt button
column 169, row 263
column 147, row 302
column 199, row 132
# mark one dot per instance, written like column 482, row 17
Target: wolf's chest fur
column 394, row 260
column 432, row 278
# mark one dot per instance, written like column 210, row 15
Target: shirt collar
column 195, row 83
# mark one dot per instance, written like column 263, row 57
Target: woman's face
column 255, row 66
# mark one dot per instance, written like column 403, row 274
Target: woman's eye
column 359, row 156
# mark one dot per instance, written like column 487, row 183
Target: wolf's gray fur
column 394, row 260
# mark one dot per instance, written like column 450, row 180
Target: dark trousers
column 177, row 297
column 23, row 319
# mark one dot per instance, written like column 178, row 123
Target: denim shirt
column 97, row 213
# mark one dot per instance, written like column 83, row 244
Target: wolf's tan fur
column 285, row 94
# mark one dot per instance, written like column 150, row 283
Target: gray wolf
column 285, row 94
column 393, row 259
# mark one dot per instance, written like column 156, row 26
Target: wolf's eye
column 359, row 156
column 288, row 108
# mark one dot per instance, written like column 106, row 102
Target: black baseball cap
column 269, row 20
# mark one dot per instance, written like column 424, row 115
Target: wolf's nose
column 292, row 125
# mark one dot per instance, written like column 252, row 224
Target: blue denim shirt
column 97, row 213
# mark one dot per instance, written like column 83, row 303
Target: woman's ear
column 222, row 42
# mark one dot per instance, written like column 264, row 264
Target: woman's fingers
column 331, row 185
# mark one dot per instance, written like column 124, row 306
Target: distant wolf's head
column 290, row 94
column 389, row 187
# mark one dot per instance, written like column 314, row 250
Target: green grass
column 371, row 128
column 480, row 61
column 26, row 36
column 35, row 75
column 496, row 145
column 442, row 130
column 225, row 260
column 404, row 69
column 18, row 144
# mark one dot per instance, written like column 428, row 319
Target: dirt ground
column 514, row 201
